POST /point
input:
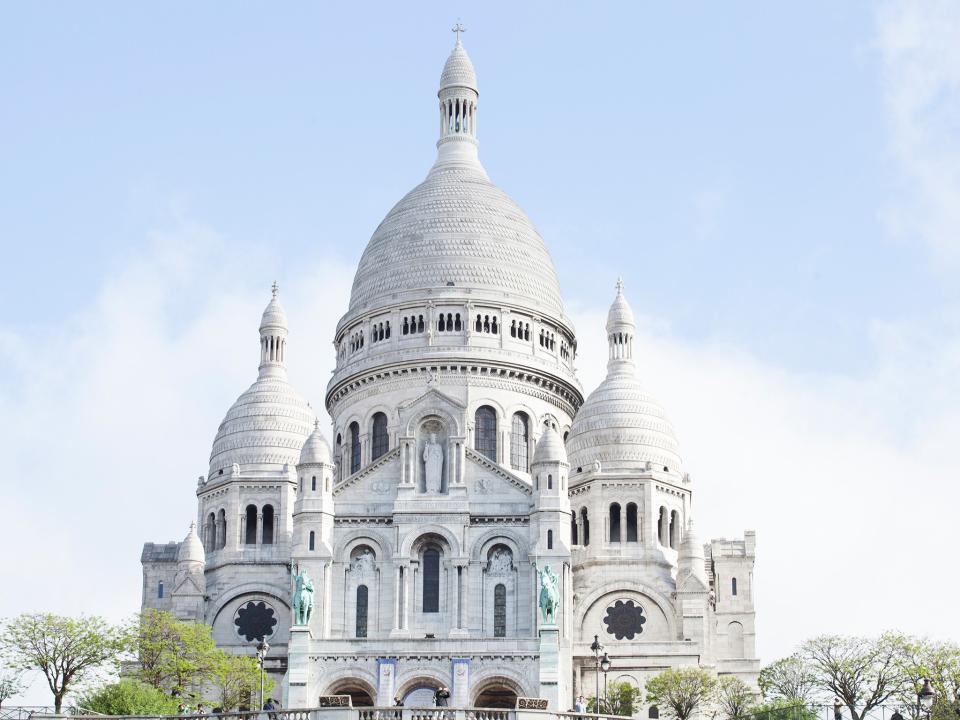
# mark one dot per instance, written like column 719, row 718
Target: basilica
column 463, row 466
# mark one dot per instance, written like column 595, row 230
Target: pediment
column 692, row 584
column 377, row 481
column 432, row 402
column 188, row 586
column 483, row 477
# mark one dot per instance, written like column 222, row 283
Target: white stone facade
column 447, row 486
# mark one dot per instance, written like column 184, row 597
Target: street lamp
column 262, row 649
column 597, row 648
column 925, row 698
column 605, row 666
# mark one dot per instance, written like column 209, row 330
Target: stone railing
column 358, row 713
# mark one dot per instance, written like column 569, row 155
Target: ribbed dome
column 620, row 314
column 316, row 449
column 274, row 316
column 549, row 448
column 457, row 227
column 267, row 425
column 191, row 549
column 623, row 427
column 458, row 70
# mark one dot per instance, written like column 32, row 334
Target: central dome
column 457, row 234
column 457, row 231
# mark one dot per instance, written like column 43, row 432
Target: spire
column 690, row 560
column 273, row 336
column 621, row 329
column 458, row 97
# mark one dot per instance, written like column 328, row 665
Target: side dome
column 315, row 450
column 269, row 423
column 191, row 549
column 549, row 448
column 620, row 425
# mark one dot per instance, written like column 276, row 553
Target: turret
column 550, row 471
column 313, row 509
column 190, row 587
column 273, row 337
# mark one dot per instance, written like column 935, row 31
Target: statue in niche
column 432, row 464
column 501, row 562
column 363, row 562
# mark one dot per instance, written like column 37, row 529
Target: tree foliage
column 939, row 662
column 621, row 699
column 236, row 679
column 128, row 697
column 734, row 698
column 790, row 679
column 66, row 650
column 783, row 709
column 862, row 672
column 11, row 684
column 680, row 692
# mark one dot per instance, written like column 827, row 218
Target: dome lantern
column 458, row 95
column 273, row 337
column 621, row 328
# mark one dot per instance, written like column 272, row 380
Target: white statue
column 363, row 562
column 432, row 464
column 501, row 561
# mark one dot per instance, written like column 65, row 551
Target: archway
column 361, row 695
column 496, row 692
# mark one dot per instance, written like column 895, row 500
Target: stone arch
column 353, row 682
column 276, row 594
column 513, row 540
column 362, row 536
column 489, row 401
column 502, row 676
column 585, row 604
column 415, row 419
column 412, row 540
column 410, row 680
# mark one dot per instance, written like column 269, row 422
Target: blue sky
column 779, row 186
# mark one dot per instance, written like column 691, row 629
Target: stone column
column 386, row 681
column 460, row 690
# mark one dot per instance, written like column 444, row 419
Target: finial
column 275, row 288
column 316, row 423
column 193, row 526
column 619, row 286
column 458, row 28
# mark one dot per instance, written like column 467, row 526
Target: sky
column 778, row 184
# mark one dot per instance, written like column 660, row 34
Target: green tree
column 236, row 679
column 680, row 692
column 783, row 709
column 790, row 679
column 621, row 699
column 863, row 672
column 734, row 698
column 66, row 650
column 11, row 684
column 128, row 697
column 938, row 662
column 172, row 655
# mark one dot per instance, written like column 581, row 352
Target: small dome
column 458, row 70
column 316, row 449
column 621, row 426
column 620, row 316
column 274, row 316
column 191, row 549
column 550, row 448
column 691, row 560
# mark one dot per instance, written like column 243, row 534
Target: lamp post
column 597, row 648
column 605, row 666
column 262, row 649
column 925, row 698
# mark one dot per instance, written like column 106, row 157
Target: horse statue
column 549, row 595
column 302, row 596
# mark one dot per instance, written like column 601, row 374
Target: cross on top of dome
column 274, row 289
column 458, row 28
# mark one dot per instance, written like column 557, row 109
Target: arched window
column 573, row 529
column 211, row 533
column 674, row 529
column 549, row 482
column 585, row 526
column 251, row 535
column 160, row 589
column 313, row 541
column 632, row 534
column 457, row 324
column 354, row 447
column 313, row 483
column 615, row 522
column 362, row 594
column 520, row 442
column 485, row 432
column 549, row 539
column 500, row 610
column 267, row 538
column 733, row 587
column 222, row 529
column 662, row 527
column 654, row 713
column 339, row 457
column 735, row 640
column 431, row 581
column 381, row 440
